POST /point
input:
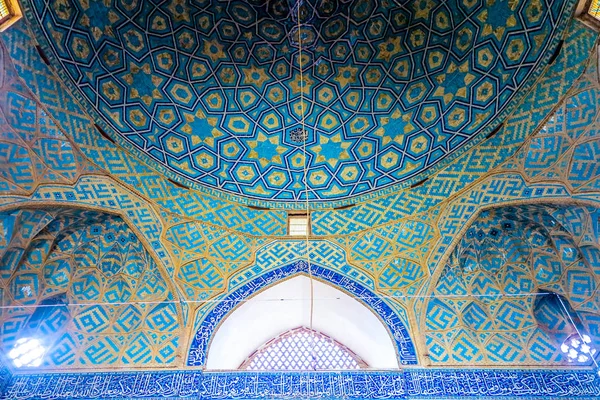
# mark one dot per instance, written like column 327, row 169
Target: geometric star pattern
column 383, row 90
column 410, row 221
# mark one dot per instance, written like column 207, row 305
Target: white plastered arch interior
column 285, row 306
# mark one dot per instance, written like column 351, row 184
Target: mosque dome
column 279, row 100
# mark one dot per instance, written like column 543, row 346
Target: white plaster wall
column 286, row 306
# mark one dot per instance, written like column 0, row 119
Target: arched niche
column 495, row 301
column 248, row 317
column 285, row 306
column 74, row 278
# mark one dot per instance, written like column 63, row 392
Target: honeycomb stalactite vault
column 151, row 151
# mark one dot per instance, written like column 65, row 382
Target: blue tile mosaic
column 388, row 243
column 5, row 377
column 100, row 267
column 408, row 384
column 483, row 304
column 377, row 93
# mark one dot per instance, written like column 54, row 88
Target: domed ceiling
column 232, row 95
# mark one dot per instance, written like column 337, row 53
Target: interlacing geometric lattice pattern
column 215, row 92
column 361, row 256
column 302, row 349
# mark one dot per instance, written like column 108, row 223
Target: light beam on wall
column 578, row 348
column 28, row 352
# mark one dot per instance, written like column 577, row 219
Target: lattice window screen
column 594, row 9
column 4, row 11
column 304, row 350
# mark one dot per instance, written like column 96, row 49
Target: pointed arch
column 285, row 306
column 402, row 344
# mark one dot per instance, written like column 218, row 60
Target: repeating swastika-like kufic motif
column 279, row 253
column 87, row 277
column 33, row 149
column 487, row 157
column 390, row 242
column 489, row 304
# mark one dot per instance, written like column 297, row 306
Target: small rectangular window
column 588, row 12
column 298, row 225
column 9, row 13
column 4, row 12
column 594, row 9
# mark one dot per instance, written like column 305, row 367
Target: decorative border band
column 410, row 383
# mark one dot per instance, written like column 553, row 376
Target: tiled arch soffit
column 110, row 239
column 104, row 194
column 130, row 222
column 451, row 263
column 468, row 222
column 211, row 320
